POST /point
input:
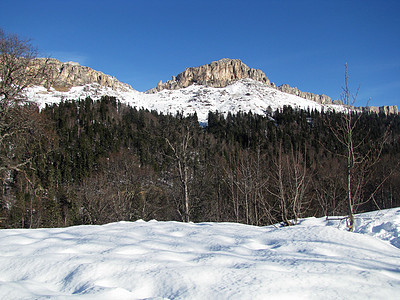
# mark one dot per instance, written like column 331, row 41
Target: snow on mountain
column 224, row 85
column 243, row 95
column 170, row 260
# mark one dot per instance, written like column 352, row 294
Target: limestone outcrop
column 226, row 71
column 321, row 99
column 63, row 76
column 216, row 74
column 387, row 109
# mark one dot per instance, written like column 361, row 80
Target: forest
column 94, row 162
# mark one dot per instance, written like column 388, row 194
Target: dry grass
column 60, row 88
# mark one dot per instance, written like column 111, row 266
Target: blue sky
column 301, row 43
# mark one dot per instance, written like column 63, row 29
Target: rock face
column 387, row 110
column 225, row 71
column 321, row 99
column 69, row 74
column 216, row 74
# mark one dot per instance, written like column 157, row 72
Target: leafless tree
column 247, row 180
column 181, row 156
column 328, row 187
column 18, row 119
column 359, row 161
column 289, row 183
column 121, row 189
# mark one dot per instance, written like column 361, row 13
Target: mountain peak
column 218, row 73
column 65, row 75
column 226, row 76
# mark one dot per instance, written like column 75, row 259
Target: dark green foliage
column 110, row 162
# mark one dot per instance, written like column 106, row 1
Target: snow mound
column 384, row 225
column 171, row 260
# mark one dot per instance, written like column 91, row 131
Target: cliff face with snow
column 322, row 99
column 63, row 76
column 224, row 72
column 218, row 74
column 224, row 85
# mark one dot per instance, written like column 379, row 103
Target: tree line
column 93, row 162
column 96, row 162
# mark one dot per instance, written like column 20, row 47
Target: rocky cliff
column 216, row 74
column 219, row 74
column 321, row 99
column 226, row 71
column 387, row 110
column 63, row 76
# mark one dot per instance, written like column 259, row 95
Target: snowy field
column 317, row 259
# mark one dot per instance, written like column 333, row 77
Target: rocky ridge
column 223, row 72
column 218, row 74
column 324, row 99
column 65, row 75
column 321, row 99
column 386, row 109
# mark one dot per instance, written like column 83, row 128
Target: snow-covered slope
column 316, row 259
column 244, row 95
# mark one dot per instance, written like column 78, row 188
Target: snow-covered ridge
column 243, row 95
column 210, row 84
column 317, row 259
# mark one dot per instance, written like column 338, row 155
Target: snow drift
column 170, row 260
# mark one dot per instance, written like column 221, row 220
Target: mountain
column 224, row 72
column 242, row 95
column 70, row 74
column 227, row 85
column 219, row 74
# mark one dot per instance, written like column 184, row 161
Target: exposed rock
column 337, row 102
column 69, row 74
column 387, row 110
column 225, row 71
column 321, row 99
column 216, row 74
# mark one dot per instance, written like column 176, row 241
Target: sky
column 304, row 43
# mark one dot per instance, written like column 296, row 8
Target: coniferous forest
column 95, row 162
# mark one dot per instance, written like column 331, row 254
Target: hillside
column 96, row 162
column 227, row 85
column 241, row 152
column 244, row 95
column 170, row 260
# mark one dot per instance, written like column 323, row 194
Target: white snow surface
column 244, row 95
column 317, row 259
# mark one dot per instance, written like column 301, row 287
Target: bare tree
column 290, row 181
column 231, row 178
column 247, row 179
column 24, row 133
column 181, row 153
column 18, row 70
column 328, row 187
column 360, row 158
